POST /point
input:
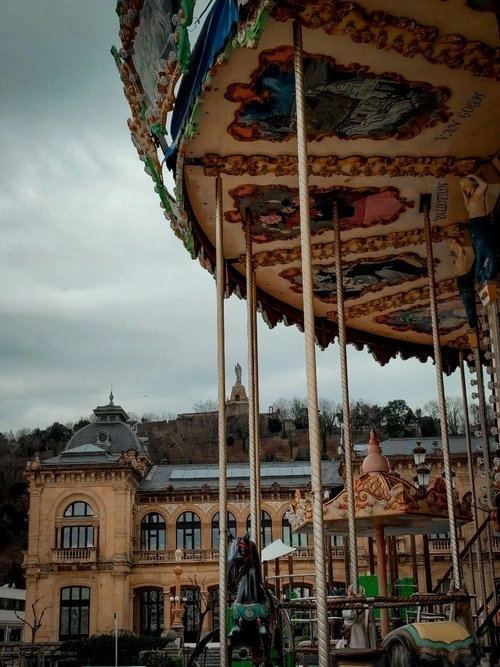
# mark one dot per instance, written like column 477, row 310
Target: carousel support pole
column 348, row 450
column 329, row 563
column 290, row 576
column 450, row 493
column 472, row 483
column 310, row 352
column 371, row 556
column 221, row 399
column 257, row 412
column 414, row 564
column 382, row 576
column 278, row 581
column 427, row 564
column 255, row 517
column 394, row 565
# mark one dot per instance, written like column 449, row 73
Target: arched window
column 78, row 529
column 231, row 526
column 78, row 508
column 188, row 531
column 151, row 614
column 266, row 528
column 153, row 531
column 74, row 612
column 292, row 539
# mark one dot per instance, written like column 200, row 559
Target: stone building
column 106, row 526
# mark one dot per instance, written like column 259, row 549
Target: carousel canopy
column 401, row 101
column 388, row 501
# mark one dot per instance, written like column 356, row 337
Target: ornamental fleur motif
column 396, row 33
column 334, row 165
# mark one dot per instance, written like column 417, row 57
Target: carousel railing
column 463, row 553
column 422, row 606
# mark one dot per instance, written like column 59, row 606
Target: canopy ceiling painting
column 401, row 101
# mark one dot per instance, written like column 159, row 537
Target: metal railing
column 168, row 555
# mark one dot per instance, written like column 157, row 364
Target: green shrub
column 100, row 649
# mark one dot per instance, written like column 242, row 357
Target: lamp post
column 421, row 480
column 423, row 471
column 177, row 608
column 116, row 638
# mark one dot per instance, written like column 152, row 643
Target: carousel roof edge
column 274, row 312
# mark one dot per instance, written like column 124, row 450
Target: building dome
column 110, row 432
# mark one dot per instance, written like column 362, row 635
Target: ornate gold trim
column 396, row 33
column 320, row 251
column 334, row 165
column 445, row 288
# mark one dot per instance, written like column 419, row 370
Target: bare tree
column 205, row 406
column 37, row 618
column 455, row 415
column 328, row 412
column 206, row 601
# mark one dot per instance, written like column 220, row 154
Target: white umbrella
column 275, row 550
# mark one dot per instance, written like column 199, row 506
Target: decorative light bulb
column 473, row 382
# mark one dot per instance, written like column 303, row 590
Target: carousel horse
column 356, row 624
column 254, row 611
column 436, row 644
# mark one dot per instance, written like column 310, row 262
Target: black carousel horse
column 254, row 610
column 258, row 623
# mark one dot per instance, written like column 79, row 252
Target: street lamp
column 423, row 473
column 419, row 454
column 177, row 608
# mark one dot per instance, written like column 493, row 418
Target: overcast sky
column 95, row 288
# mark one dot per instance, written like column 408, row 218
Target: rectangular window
column 74, row 613
column 75, row 537
column 15, row 635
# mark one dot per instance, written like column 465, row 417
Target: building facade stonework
column 105, row 524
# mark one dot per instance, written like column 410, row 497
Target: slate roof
column 404, row 446
column 83, row 454
column 294, row 474
column 120, row 437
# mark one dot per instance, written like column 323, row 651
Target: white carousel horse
column 356, row 622
column 436, row 644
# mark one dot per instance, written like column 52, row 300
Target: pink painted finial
column 375, row 461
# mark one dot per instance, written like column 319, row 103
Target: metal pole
column 255, row 517
column 472, row 483
column 116, row 639
column 346, row 412
column 450, row 494
column 221, row 400
column 310, row 351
